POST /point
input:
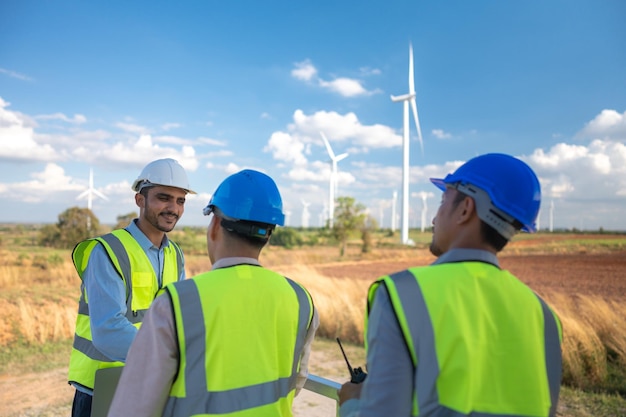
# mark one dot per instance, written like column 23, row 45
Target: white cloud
column 17, row 138
column 440, row 134
column 338, row 127
column 304, row 71
column 14, row 74
column 593, row 172
column 210, row 141
column 346, row 87
column 285, row 147
column 77, row 119
column 170, row 126
column 44, row 184
column 132, row 128
column 609, row 124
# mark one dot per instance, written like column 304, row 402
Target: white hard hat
column 166, row 172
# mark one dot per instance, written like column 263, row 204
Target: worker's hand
column 349, row 391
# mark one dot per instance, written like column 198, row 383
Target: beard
column 163, row 221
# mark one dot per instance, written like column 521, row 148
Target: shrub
column 287, row 237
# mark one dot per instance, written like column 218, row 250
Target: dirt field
column 602, row 274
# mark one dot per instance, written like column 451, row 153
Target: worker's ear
column 466, row 210
column 214, row 227
column 140, row 200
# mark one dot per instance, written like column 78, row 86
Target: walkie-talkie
column 356, row 374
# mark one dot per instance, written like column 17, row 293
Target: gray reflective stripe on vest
column 419, row 323
column 86, row 346
column 122, row 258
column 222, row 402
column 179, row 258
column 553, row 354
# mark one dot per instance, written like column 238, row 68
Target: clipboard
column 104, row 388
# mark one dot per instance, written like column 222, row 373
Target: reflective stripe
column 422, row 336
column 86, row 346
column 553, row 354
column 198, row 399
column 122, row 258
column 403, row 287
column 179, row 258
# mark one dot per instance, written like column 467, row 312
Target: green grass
column 576, row 403
column 21, row 357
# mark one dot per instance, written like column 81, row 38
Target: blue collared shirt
column 111, row 332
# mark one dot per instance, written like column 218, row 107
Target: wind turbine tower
column 305, row 214
column 406, row 99
column 424, row 196
column 393, row 211
column 333, row 179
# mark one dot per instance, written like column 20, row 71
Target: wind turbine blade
column 340, row 157
column 411, row 76
column 83, row 194
column 328, row 148
column 99, row 194
column 417, row 123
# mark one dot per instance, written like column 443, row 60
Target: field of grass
column 40, row 292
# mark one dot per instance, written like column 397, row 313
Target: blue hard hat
column 510, row 183
column 251, row 196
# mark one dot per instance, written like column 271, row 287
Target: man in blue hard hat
column 235, row 340
column 462, row 337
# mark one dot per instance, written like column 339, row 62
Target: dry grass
column 38, row 305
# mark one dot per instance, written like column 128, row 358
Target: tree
column 75, row 224
column 349, row 218
column 124, row 220
column 287, row 237
column 369, row 225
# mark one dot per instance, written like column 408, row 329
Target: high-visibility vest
column 482, row 343
column 142, row 286
column 241, row 331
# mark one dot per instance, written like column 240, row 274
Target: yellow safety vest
column 481, row 342
column 142, row 286
column 241, row 331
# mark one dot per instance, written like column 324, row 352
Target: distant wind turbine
column 333, row 179
column 393, row 211
column 305, row 214
column 406, row 98
column 91, row 192
column 424, row 196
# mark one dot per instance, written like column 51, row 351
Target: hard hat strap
column 260, row 231
column 487, row 212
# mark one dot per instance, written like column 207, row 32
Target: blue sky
column 222, row 86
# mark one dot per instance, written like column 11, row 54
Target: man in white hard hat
column 121, row 274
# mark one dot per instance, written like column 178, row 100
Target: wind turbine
column 333, row 179
column 91, row 192
column 305, row 214
column 393, row 211
column 424, row 196
column 406, row 98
